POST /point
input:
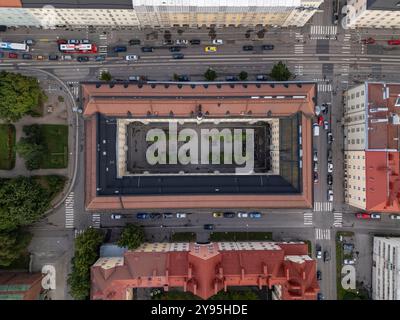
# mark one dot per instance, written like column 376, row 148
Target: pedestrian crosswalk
column 322, row 234
column 103, row 44
column 308, row 218
column 298, row 70
column 69, row 211
column 338, row 219
column 324, row 87
column 74, row 87
column 96, row 220
column 322, row 206
column 78, row 232
column 323, row 32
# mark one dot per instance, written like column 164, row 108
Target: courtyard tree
column 243, row 75
column 105, row 76
column 32, row 146
column 210, row 75
column 280, row 72
column 12, row 246
column 19, row 96
column 131, row 237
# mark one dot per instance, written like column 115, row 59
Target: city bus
column 14, row 46
column 78, row 48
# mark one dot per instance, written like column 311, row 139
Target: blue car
column 100, row 58
column 142, row 215
column 255, row 215
column 120, row 49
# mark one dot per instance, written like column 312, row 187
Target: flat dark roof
column 392, row 5
column 82, row 4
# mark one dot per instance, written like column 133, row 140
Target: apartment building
column 373, row 14
column 385, row 269
column 156, row 13
column 371, row 146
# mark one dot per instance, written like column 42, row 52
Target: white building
column 386, row 269
column 373, row 14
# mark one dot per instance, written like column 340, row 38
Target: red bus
column 78, row 48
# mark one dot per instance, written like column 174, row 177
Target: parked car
column 168, row 215
column 330, row 195
column 315, row 166
column 100, row 58
column 394, row 42
column 330, row 137
column 375, row 215
column 208, row 227
column 134, row 42
column 320, row 120
column 317, row 110
column 40, row 57
column 147, row 49
column 324, row 108
column 210, row 49
column 175, row 49
column 330, row 167
column 262, row 77
column 73, row 41
column 229, row 214
column 12, row 55
column 255, row 215
column 327, row 256
column 142, row 215
column 218, row 214
column 116, row 216
column 134, row 78
column 231, row 78
column 195, row 41
column 326, row 125
column 248, row 48
column 243, row 215
column 329, row 179
column 83, row 59
column 330, row 158
column 66, row 58
column 348, row 261
column 120, row 49
column 181, row 215
column 183, row 78
column 178, row 56
column 181, row 41
column 315, row 177
column 315, row 129
column 30, row 42
column 395, row 216
column 53, row 57
column 363, row 215
column 318, row 251
column 368, row 41
column 319, row 275
column 61, row 41
column 268, row 47
column 217, row 41
column 27, row 56
column 131, row 57
column 320, row 296
column 315, row 155
column 155, row 215
column 85, row 41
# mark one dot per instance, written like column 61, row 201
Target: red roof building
column 20, row 285
column 206, row 269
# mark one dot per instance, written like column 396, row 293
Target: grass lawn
column 22, row 263
column 183, row 237
column 56, row 139
column 7, row 146
column 241, row 236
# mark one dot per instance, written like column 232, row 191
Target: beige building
column 158, row 13
column 385, row 269
column 373, row 14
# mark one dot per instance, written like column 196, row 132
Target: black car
column 27, row 56
column 175, row 49
column 319, row 275
column 248, row 48
column 330, row 179
column 229, row 214
column 183, row 78
column 329, row 155
column 262, row 77
column 83, row 59
column 120, row 49
column 168, row 215
column 178, row 56
column 208, row 227
column 167, row 42
column 320, row 296
column 327, row 256
column 231, row 78
column 134, row 42
column 53, row 57
column 268, row 47
column 195, row 41
column 155, row 215
column 147, row 49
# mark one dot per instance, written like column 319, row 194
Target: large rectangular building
column 121, row 174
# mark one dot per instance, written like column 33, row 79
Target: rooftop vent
column 379, row 120
column 382, row 109
column 395, row 119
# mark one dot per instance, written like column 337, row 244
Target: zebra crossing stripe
column 322, row 206
column 324, row 87
column 308, row 218
column 322, row 234
column 69, row 211
column 96, row 219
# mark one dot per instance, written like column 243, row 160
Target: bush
column 243, row 75
column 12, row 246
column 132, row 237
column 280, row 72
column 210, row 75
column 105, row 76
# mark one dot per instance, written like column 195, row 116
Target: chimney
column 287, row 274
column 304, row 275
column 242, row 277
column 190, row 272
column 220, row 272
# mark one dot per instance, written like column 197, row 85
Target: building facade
column 20, row 285
column 373, row 14
column 371, row 146
column 156, row 13
column 205, row 269
column 385, row 269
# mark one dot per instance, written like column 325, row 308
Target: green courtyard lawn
column 56, row 139
column 7, row 146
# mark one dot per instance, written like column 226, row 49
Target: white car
column 395, row 216
column 116, row 216
column 330, row 167
column 330, row 195
column 217, row 41
column 375, row 216
column 132, row 57
column 315, row 166
column 348, row 261
column 326, row 125
column 243, row 215
column 181, row 215
column 182, row 41
column 315, row 158
column 317, row 110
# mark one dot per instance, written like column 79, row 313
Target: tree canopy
column 19, row 95
column 106, row 76
column 12, row 245
column 243, row 75
column 210, row 75
column 280, row 72
column 32, row 147
column 131, row 237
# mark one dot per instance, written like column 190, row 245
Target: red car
column 13, row 55
column 368, row 41
column 61, row 41
column 394, row 42
column 320, row 120
column 363, row 215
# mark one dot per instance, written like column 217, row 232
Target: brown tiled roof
column 9, row 281
column 10, row 4
column 204, row 271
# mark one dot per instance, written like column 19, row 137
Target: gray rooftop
column 82, row 4
column 392, row 5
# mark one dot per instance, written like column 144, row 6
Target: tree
column 132, row 237
column 243, row 75
column 22, row 202
column 106, row 76
column 176, row 77
column 19, row 95
column 87, row 247
column 210, row 75
column 12, row 246
column 280, row 72
column 32, row 153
